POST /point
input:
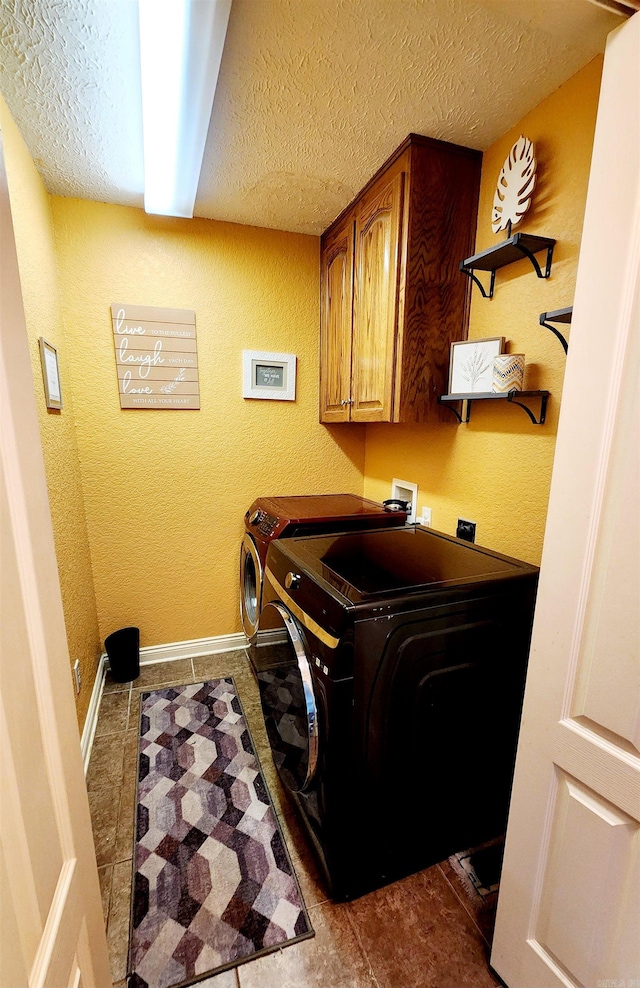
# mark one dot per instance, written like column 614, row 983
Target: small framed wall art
column 268, row 375
column 471, row 365
column 50, row 374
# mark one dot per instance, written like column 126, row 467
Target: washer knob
column 292, row 581
column 256, row 516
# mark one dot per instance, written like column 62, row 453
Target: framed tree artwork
column 471, row 365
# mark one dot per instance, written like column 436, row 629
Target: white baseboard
column 191, row 649
column 203, row 646
column 164, row 653
column 91, row 720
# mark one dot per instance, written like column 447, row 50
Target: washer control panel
column 262, row 521
column 267, row 524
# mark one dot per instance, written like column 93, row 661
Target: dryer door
column 288, row 699
column 250, row 586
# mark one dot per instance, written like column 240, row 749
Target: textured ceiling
column 66, row 74
column 313, row 95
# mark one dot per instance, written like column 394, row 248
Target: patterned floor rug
column 213, row 884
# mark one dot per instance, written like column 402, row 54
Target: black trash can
column 123, row 649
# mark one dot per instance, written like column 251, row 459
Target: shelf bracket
column 458, row 415
column 543, row 407
column 514, row 397
column 556, row 332
column 527, row 253
column 469, row 273
column 515, row 248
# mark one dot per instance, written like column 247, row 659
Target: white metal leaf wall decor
column 515, row 186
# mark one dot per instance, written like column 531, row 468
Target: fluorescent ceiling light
column 181, row 44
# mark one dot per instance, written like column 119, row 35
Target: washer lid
column 318, row 508
column 365, row 565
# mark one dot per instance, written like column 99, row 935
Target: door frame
column 53, row 930
column 567, row 760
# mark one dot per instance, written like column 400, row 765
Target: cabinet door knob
column 292, row 581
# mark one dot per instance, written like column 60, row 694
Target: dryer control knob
column 256, row 516
column 292, row 581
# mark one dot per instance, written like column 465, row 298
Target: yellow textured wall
column 496, row 470
column 166, row 491
column 30, row 207
column 163, row 491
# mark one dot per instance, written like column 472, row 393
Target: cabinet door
column 378, row 242
column 336, row 272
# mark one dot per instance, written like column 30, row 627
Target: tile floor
column 421, row 932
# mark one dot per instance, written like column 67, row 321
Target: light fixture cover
column 181, row 44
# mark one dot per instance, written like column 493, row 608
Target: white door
column 569, row 905
column 51, row 925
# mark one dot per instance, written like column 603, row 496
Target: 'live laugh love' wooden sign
column 156, row 356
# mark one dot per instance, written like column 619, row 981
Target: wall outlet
column 77, row 677
column 425, row 517
column 466, row 530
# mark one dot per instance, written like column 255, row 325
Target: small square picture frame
column 50, row 374
column 471, row 365
column 268, row 375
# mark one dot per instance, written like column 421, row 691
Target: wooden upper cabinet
column 336, row 316
column 392, row 296
column 378, row 230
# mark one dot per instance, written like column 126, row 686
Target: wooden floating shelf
column 510, row 396
column 561, row 316
column 508, row 252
